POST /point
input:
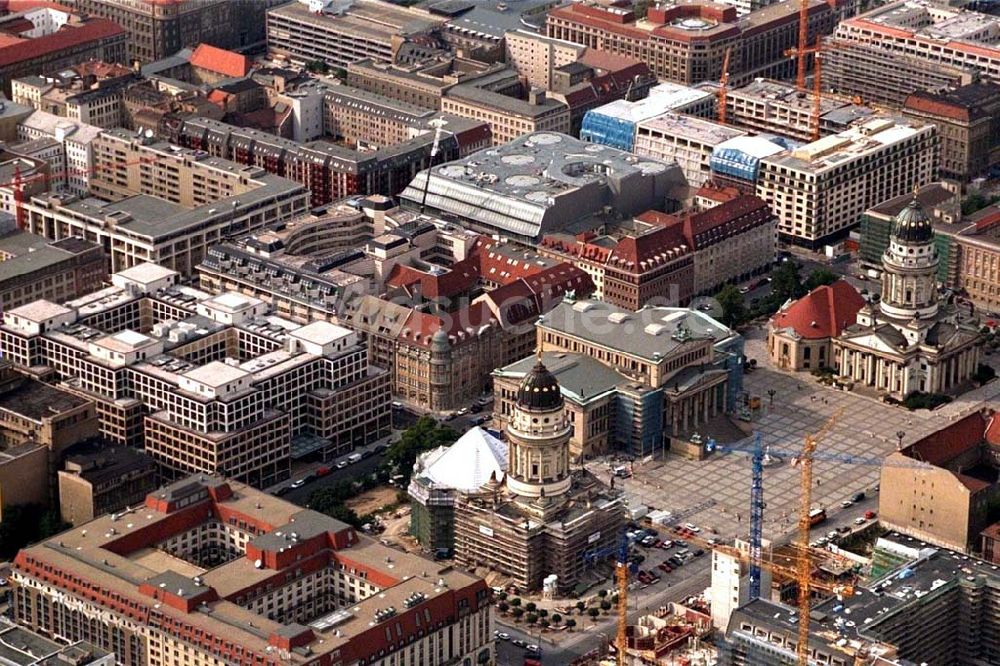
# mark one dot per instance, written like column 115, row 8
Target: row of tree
column 786, row 283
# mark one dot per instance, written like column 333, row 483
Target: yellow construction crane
column 621, row 576
column 804, row 575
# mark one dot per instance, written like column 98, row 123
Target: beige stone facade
column 534, row 56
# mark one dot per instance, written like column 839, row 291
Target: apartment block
column 884, row 77
column 206, row 383
column 339, row 32
column 508, row 117
column 90, row 92
column 165, row 203
column 764, row 106
column 821, row 189
column 684, row 140
column 686, row 43
column 421, row 83
column 160, row 29
column 208, row 569
column 968, row 122
column 33, row 268
column 97, row 479
column 330, row 171
column 38, row 424
column 932, row 33
column 76, row 140
column 536, row 57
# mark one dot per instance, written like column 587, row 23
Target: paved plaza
column 716, row 492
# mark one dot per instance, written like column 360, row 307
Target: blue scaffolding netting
column 608, row 131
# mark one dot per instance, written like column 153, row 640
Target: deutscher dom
column 905, row 340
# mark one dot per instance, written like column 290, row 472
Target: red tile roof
column 220, row 61
column 66, row 38
column 458, row 279
column 822, row 313
column 951, row 441
column 17, row 6
column 993, row 429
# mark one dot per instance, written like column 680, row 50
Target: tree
column 517, row 612
column 542, row 612
column 605, row 606
column 820, row 277
column 593, row 613
column 501, row 596
column 424, row 435
column 580, row 606
column 530, row 606
column 602, row 594
column 786, row 282
column 556, row 618
column 570, row 623
column 515, row 602
column 503, row 606
column 733, row 311
column 24, row 524
column 317, row 67
column 545, row 623
column 531, row 618
column 330, row 501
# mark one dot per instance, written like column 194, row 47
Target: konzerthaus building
column 208, row 383
column 209, row 571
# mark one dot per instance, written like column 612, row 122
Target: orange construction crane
column 804, row 576
column 817, row 109
column 800, row 72
column 724, row 86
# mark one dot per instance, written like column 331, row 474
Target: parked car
column 870, row 515
column 322, row 471
column 847, row 504
column 341, row 464
column 519, row 643
column 859, row 496
column 860, row 520
column 502, row 635
column 298, row 483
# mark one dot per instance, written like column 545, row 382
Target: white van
column 353, row 458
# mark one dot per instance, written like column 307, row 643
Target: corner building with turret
column 541, row 518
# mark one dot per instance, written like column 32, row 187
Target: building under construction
column 541, row 522
column 922, row 605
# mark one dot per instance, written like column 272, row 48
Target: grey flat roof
column 581, row 377
column 471, row 92
column 651, row 333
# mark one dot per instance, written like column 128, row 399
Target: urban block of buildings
column 542, row 523
column 216, row 570
column 968, row 122
column 97, row 479
column 820, row 190
column 49, row 37
column 205, row 383
column 160, row 29
column 27, row 648
column 685, row 140
column 686, row 43
column 615, row 124
column 666, row 259
column 33, row 268
column 765, row 106
column 39, row 424
column 339, row 32
column 542, row 183
column 939, row 489
column 884, row 77
column 156, row 202
column 951, row 36
column 922, row 604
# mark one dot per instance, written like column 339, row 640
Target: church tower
column 909, row 267
column 538, row 438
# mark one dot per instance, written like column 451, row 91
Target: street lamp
column 900, row 434
column 770, row 394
